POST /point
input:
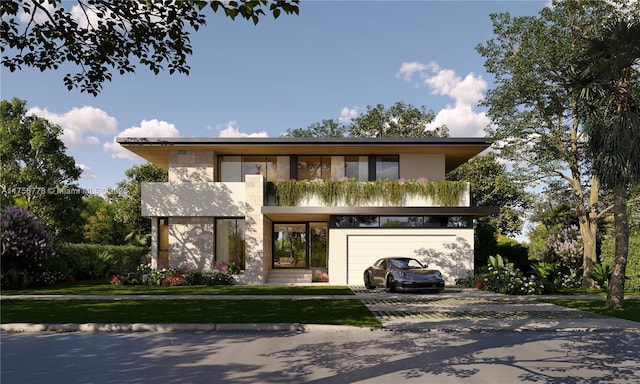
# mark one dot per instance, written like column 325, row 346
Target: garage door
column 364, row 250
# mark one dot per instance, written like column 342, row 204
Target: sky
column 330, row 62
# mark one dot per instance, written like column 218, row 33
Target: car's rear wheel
column 367, row 281
column 391, row 284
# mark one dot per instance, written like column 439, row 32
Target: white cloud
column 407, row 70
column 80, row 125
column 147, row 128
column 348, row 114
column 86, row 172
column 231, row 130
column 460, row 119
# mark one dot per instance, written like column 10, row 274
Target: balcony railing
column 350, row 192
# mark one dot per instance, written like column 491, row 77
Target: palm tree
column 609, row 86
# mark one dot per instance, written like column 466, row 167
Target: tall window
column 234, row 168
column 387, row 167
column 230, row 243
column 314, row 167
column 356, row 167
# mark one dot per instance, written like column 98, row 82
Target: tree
column 326, row 128
column 126, row 197
column 399, row 120
column 101, row 226
column 36, row 173
column 493, row 185
column 609, row 82
column 101, row 37
column 534, row 111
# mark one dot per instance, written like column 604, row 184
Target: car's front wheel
column 367, row 281
column 391, row 284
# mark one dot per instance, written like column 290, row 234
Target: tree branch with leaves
column 103, row 37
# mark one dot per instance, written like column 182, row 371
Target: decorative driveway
column 471, row 310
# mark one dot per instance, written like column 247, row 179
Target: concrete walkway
column 455, row 310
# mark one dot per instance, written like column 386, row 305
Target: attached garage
column 353, row 251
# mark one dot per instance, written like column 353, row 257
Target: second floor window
column 309, row 167
column 387, row 167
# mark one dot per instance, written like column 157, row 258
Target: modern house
column 284, row 208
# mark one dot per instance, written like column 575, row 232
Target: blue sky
column 331, row 61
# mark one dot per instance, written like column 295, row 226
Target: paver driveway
column 467, row 310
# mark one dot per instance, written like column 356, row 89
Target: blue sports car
column 403, row 274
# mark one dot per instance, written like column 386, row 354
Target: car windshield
column 405, row 263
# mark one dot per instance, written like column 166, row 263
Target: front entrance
column 300, row 245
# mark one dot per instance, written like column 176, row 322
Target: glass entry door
column 318, row 245
column 290, row 245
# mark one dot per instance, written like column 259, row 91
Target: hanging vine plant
column 354, row 193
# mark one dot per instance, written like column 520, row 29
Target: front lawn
column 311, row 311
column 630, row 310
column 104, row 288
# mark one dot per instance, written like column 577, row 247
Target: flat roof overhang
column 456, row 150
column 278, row 213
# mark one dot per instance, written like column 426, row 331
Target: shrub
column 173, row 280
column 25, row 247
column 320, row 276
column 565, row 247
column 145, row 275
column 96, row 261
column 502, row 277
column 601, row 274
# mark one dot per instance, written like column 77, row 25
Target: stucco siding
column 191, row 242
column 428, row 166
column 193, row 199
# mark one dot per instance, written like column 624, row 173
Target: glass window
column 290, row 245
column 230, row 244
column 254, row 165
column 314, row 167
column 234, row 168
column 458, row 222
column 387, row 167
column 231, row 168
column 435, row 221
column 356, row 221
column 401, row 221
column 356, row 167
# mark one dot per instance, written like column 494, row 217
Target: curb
column 279, row 327
column 183, row 327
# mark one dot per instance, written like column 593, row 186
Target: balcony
column 380, row 193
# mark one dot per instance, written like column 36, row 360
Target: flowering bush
column 145, row 275
column 565, row 247
column 502, row 277
column 173, row 280
column 320, row 276
column 118, row 280
column 25, row 247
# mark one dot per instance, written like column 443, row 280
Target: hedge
column 97, row 261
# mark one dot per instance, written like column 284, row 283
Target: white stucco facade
column 186, row 210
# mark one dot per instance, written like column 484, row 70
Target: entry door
column 290, row 245
column 318, row 235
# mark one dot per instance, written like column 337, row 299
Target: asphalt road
column 322, row 356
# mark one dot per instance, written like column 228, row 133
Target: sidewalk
column 455, row 310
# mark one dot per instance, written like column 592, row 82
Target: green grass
column 629, row 311
column 311, row 311
column 104, row 288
